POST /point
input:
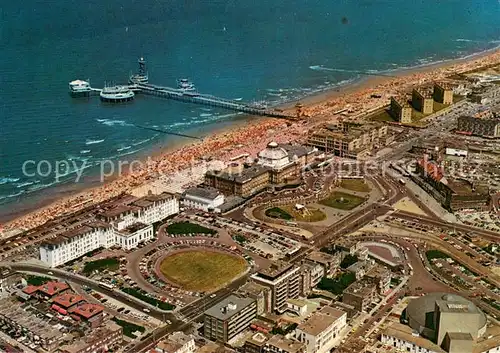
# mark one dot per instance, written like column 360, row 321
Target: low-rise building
column 381, row 277
column 401, row 109
column 68, row 300
column 98, row 340
column 177, row 342
column 283, row 279
column 90, row 313
column 421, row 99
column 321, row 331
column 453, row 194
column 281, row 344
column 360, row 294
column 360, row 268
column 349, row 140
column 330, row 263
column 256, row 343
column 228, row 318
column 205, row 199
column 297, row 306
column 488, row 127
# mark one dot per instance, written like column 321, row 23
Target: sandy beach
column 252, row 134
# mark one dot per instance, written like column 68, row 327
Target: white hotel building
column 124, row 225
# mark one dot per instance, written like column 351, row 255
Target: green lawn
column 308, row 215
column 435, row 254
column 240, row 239
column 342, row 201
column 142, row 296
column 202, row 270
column 358, row 185
column 277, row 212
column 338, row 284
column 384, row 115
column 111, row 263
column 36, row 280
column 129, row 328
column 188, row 228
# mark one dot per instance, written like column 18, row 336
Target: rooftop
column 228, row 307
column 405, row 333
column 206, row 193
column 244, row 175
column 94, row 336
column 66, row 300
column 65, row 236
column 274, row 271
column 87, row 310
column 51, row 288
column 322, row 257
column 401, row 101
column 321, row 321
column 150, row 200
column 285, row 344
column 362, row 288
column 131, row 229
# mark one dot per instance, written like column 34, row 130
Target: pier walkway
column 205, row 99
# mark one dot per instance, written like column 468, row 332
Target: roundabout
column 200, row 269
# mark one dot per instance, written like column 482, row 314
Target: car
column 126, row 311
column 120, row 309
column 213, row 295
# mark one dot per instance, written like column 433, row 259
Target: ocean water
column 258, row 50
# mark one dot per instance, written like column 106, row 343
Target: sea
column 254, row 51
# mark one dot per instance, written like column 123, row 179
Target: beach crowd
column 250, row 138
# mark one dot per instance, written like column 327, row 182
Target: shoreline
column 223, row 140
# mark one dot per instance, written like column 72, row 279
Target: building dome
column 421, row 314
column 273, row 156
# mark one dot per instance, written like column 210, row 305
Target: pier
column 138, row 84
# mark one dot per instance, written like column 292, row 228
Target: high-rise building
column 283, row 279
column 228, row 318
column 401, row 109
column 443, row 93
column 421, row 99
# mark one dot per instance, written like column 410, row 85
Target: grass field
column 129, row 328
column 111, row 263
column 313, row 214
column 188, row 228
column 355, row 185
column 201, row 270
column 342, row 201
column 277, row 212
column 383, row 116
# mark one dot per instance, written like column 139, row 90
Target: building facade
column 349, row 140
column 401, row 109
column 125, row 225
column 283, row 280
column 228, row 318
column 281, row 344
column 322, row 331
column 422, row 100
column 204, row 199
column 484, row 127
column 359, row 294
column 443, row 93
column 101, row 339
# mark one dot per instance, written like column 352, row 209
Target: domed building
column 438, row 322
column 275, row 165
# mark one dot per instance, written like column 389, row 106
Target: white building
column 128, row 238
column 177, row 342
column 75, row 243
column 125, row 224
column 322, row 331
column 203, row 199
column 274, row 156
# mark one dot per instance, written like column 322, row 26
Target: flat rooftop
column 131, row 229
column 274, row 271
column 321, row 320
column 285, row 344
column 361, row 288
column 208, row 193
column 322, row 257
column 244, row 175
column 228, row 307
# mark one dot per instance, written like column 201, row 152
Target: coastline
column 250, row 131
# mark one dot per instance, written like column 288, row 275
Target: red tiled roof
column 52, row 288
column 87, row 310
column 68, row 299
column 30, row 289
